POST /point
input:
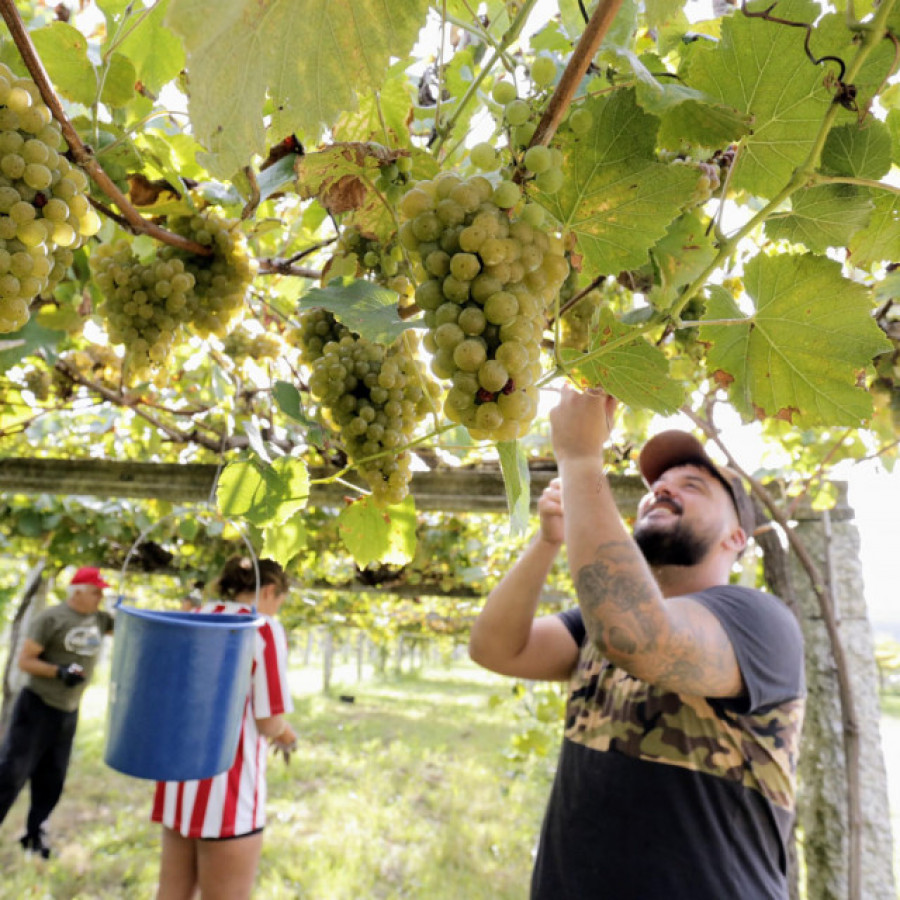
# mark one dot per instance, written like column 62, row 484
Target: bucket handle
column 142, row 536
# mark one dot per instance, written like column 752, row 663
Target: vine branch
column 83, row 155
column 575, row 70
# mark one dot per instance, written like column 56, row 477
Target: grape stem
column 84, row 156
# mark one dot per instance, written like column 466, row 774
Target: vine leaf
column 761, row 68
column 636, row 373
column 263, row 494
column 376, row 533
column 363, row 306
column 26, row 341
column 860, row 152
column 680, row 257
column 517, row 480
column 880, row 239
column 63, row 50
column 822, row 217
column 312, row 57
column 685, row 113
column 154, row 50
column 800, row 354
column 283, row 542
column 617, row 199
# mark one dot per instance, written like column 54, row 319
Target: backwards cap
column 672, row 448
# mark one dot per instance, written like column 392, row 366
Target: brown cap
column 672, row 448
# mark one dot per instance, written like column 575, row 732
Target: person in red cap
column 676, row 776
column 58, row 655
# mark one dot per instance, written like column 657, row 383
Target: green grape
column 580, row 121
column 465, row 266
column 503, row 92
column 543, row 71
column 501, row 307
column 537, row 159
column 483, row 156
column 517, row 112
column 550, row 181
column 469, row 354
column 507, row 194
column 492, row 375
column 472, row 321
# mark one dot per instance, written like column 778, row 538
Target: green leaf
column 27, row 340
column 288, row 399
column 390, row 105
column 517, row 480
column 632, row 370
column 311, row 56
column 30, row 523
column 683, row 253
column 63, row 50
column 760, row 68
column 798, row 357
column 363, row 306
column 374, row 533
column 263, row 494
column 823, row 217
column 860, row 152
column 283, row 542
column 616, row 198
column 880, row 239
column 276, row 176
column 118, row 81
column 154, row 50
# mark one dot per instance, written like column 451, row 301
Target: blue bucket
column 178, row 686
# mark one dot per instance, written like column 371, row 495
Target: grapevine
column 490, row 273
column 44, row 213
column 374, row 397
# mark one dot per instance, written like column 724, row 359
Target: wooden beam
column 463, row 489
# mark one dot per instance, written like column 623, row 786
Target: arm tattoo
column 619, row 599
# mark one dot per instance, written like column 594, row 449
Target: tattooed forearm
column 619, row 599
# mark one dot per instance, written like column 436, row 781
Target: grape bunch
column 38, row 382
column 221, row 280
column 708, row 176
column 317, row 327
column 374, row 396
column 383, row 262
column 490, row 276
column 240, row 345
column 578, row 323
column 146, row 303
column 44, row 213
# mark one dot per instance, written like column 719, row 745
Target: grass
column 405, row 792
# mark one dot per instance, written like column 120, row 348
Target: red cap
column 89, row 575
column 672, row 448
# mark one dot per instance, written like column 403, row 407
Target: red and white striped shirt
column 234, row 802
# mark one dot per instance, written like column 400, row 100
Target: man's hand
column 580, row 423
column 70, row 675
column 551, row 513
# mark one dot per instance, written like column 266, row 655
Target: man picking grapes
column 676, row 777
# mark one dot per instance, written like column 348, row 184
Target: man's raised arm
column 506, row 637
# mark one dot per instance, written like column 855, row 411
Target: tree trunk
column 327, row 661
column 822, row 810
column 34, row 598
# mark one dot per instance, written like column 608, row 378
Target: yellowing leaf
column 799, row 355
column 616, row 198
column 371, row 532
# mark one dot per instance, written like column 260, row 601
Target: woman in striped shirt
column 212, row 829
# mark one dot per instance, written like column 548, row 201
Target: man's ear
column 735, row 540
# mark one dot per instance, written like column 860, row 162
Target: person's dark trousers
column 37, row 747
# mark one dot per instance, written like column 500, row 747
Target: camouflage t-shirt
column 663, row 796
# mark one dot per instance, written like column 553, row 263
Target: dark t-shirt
column 669, row 796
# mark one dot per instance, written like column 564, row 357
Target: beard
column 678, row 546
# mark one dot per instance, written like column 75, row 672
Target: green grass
column 404, row 793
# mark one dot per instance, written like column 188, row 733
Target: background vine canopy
column 346, row 240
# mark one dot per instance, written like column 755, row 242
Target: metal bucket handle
column 142, row 536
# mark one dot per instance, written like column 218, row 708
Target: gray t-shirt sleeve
column 767, row 642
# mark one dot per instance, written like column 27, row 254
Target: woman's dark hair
column 238, row 576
